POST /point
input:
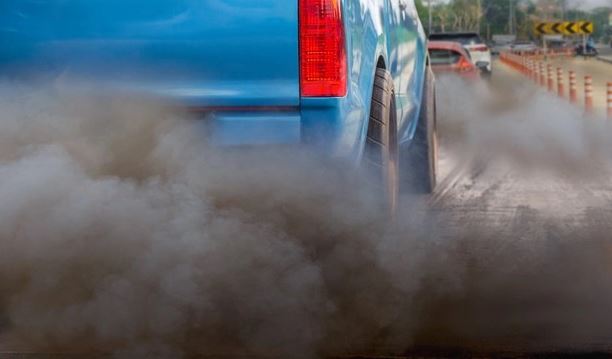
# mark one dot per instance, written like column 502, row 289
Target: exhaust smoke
column 122, row 231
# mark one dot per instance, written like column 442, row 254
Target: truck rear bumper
column 330, row 126
column 262, row 127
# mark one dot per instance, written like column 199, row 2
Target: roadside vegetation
column 492, row 17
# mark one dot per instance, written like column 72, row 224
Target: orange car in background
column 451, row 57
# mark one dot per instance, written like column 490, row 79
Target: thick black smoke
column 123, row 232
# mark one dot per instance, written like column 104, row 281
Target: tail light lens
column 322, row 49
column 481, row 48
column 464, row 65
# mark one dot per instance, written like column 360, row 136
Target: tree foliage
column 490, row 17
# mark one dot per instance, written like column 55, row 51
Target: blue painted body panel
column 223, row 53
column 254, row 128
column 208, row 52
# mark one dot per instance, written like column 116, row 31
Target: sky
column 589, row 4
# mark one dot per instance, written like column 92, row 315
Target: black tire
column 419, row 160
column 380, row 158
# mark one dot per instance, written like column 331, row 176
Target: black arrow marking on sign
column 541, row 28
column 585, row 27
column 570, row 27
column 556, row 29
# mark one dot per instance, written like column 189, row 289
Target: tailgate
column 203, row 52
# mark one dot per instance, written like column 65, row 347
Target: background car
column 497, row 48
column 451, row 57
column 473, row 43
column 524, row 47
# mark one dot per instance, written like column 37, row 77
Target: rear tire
column 380, row 157
column 419, row 161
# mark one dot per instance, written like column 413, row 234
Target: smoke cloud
column 122, row 231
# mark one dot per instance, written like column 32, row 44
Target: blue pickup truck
column 349, row 78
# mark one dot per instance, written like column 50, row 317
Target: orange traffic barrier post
column 573, row 95
column 609, row 100
column 517, row 62
column 549, row 75
column 529, row 69
column 588, row 93
column 560, row 90
column 542, row 76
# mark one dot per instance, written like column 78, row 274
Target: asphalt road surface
column 605, row 50
column 547, row 159
column 527, row 195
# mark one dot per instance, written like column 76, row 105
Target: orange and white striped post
column 549, row 75
column 542, row 75
column 588, row 93
column 609, row 100
column 573, row 95
column 560, row 90
column 527, row 68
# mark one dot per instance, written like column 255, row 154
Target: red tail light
column 464, row 65
column 481, row 48
column 322, row 49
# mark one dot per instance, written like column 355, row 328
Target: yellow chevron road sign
column 564, row 28
column 586, row 27
column 542, row 28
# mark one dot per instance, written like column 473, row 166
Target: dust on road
column 121, row 232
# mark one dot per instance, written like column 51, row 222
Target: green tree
column 496, row 16
column 600, row 19
column 423, row 12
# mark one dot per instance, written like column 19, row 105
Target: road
column 527, row 200
column 514, row 98
column 605, row 50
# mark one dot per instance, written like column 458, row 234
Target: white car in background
column 524, row 47
column 472, row 42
